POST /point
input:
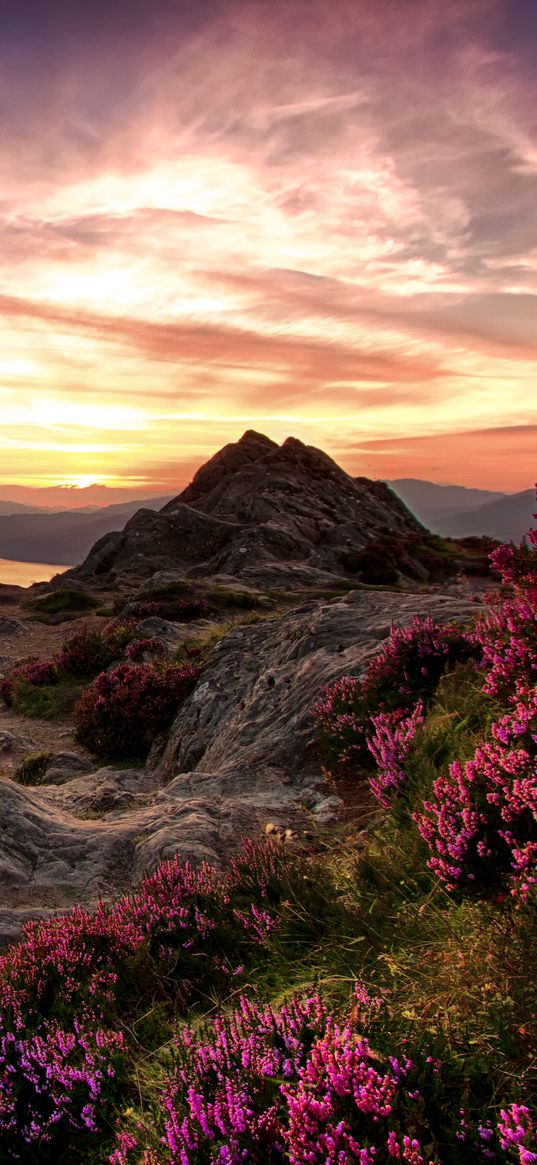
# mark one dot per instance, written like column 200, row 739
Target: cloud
column 495, row 458
column 324, row 209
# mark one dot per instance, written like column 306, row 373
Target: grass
column 61, row 604
column 33, row 768
column 455, row 972
column 48, row 701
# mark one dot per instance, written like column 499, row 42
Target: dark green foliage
column 65, row 601
column 33, row 768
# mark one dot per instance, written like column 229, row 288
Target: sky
column 306, row 217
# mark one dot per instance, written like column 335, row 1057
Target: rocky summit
column 268, row 514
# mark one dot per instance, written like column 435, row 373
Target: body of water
column 26, row 573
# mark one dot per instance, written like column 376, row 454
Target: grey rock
column 11, row 744
column 155, row 627
column 64, row 766
column 11, row 626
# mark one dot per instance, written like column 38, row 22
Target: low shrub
column 387, row 560
column 410, row 663
column 33, row 768
column 139, row 648
column 75, row 988
column 507, row 631
column 63, row 600
column 481, row 826
column 302, row 1085
column 123, row 710
column 33, row 673
column 89, row 651
column 407, row 669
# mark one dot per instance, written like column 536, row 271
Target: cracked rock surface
column 241, row 753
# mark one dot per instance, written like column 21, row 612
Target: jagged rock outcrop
column 241, row 753
column 264, row 513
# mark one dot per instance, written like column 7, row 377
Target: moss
column 33, row 768
column 62, row 604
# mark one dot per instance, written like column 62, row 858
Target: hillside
column 507, row 518
column 270, row 515
column 65, row 536
column 431, row 502
column 456, row 512
column 276, row 843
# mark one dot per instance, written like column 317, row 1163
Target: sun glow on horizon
column 83, row 481
column 239, row 234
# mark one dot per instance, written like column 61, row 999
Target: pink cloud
column 337, row 200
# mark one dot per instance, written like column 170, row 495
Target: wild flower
column 518, row 1134
column 75, row 980
column 291, row 1085
column 405, row 671
column 300, row 1085
column 123, row 710
column 481, row 825
column 390, row 742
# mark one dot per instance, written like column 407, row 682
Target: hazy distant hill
column 508, row 518
column 7, row 507
column 64, row 537
column 454, row 511
column 430, row 502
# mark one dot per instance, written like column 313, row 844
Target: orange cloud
column 297, row 214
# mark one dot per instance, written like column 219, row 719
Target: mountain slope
column 430, row 502
column 508, row 518
column 258, row 511
column 62, row 537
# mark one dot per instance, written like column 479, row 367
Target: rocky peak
column 234, row 458
column 265, row 513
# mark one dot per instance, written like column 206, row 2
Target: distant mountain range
column 455, row 512
column 64, row 537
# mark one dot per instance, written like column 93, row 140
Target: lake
column 26, row 573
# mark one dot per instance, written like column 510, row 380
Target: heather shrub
column 32, row 674
column 303, row 1085
column 387, row 560
column 76, row 987
column 481, row 824
column 55, row 1085
column 64, row 601
column 123, row 710
column 89, row 651
column 407, row 669
column 507, row 632
column 140, row 648
column 409, row 665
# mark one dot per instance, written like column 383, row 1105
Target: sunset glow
column 298, row 216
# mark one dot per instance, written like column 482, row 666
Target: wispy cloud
column 289, row 213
